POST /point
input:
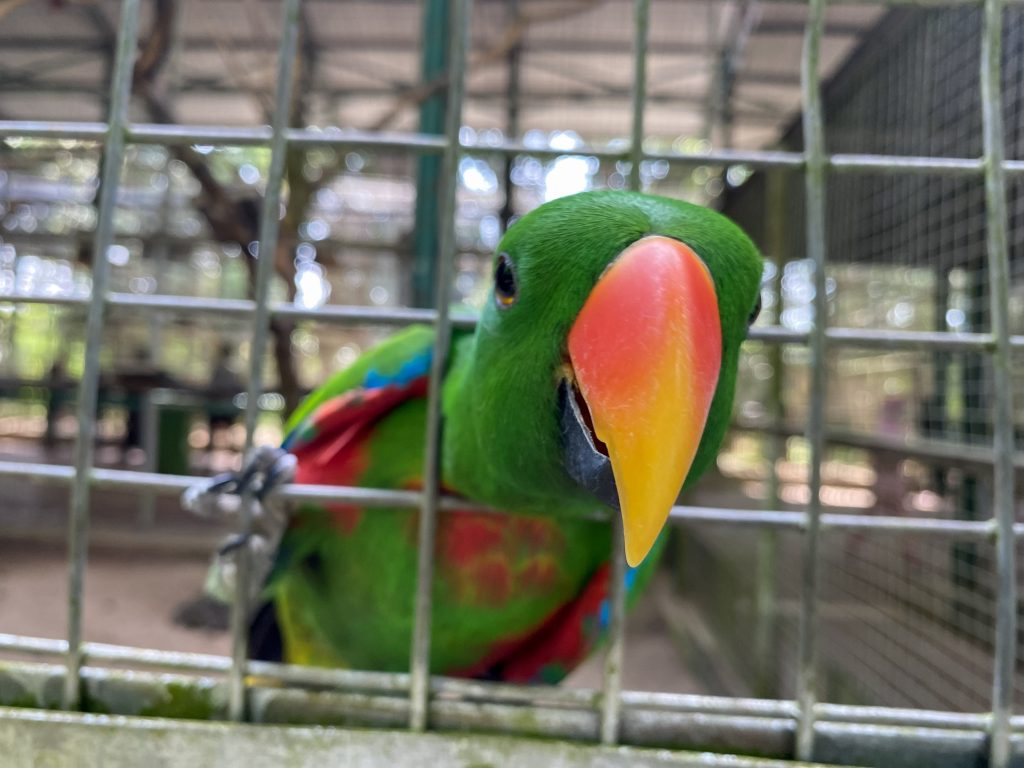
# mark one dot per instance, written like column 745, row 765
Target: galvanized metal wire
column 78, row 530
column 809, row 720
column 999, row 275
column 814, row 179
column 420, row 652
column 269, row 227
column 611, row 701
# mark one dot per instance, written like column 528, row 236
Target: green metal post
column 426, row 234
column 88, row 391
column 511, row 119
column 419, row 671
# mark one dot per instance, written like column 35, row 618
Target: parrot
column 599, row 378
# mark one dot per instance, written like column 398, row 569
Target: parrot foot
column 222, row 498
column 264, row 471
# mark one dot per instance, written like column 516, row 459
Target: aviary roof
column 363, row 58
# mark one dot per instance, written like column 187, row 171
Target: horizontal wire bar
column 46, row 129
column 374, row 498
column 209, row 663
column 958, row 529
column 356, row 139
column 244, row 308
column 941, row 450
column 174, row 135
column 511, row 693
column 832, row 521
column 752, row 517
column 952, row 166
column 913, row 340
column 612, row 152
column 716, row 705
column 776, row 334
column 356, row 314
column 755, row 158
column 371, row 498
column 919, row 718
column 918, row 447
column 369, row 315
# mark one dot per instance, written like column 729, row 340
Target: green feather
column 500, row 397
column 386, row 358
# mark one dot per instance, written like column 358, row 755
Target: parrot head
column 604, row 363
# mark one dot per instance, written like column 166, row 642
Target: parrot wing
column 325, row 434
column 396, row 361
column 521, row 598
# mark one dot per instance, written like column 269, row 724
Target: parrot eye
column 756, row 311
column 506, row 291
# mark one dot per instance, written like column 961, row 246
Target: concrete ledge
column 31, row 737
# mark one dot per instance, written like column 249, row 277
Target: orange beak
column 646, row 350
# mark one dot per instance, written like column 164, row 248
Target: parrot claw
column 280, row 472
column 232, row 543
column 222, row 497
column 263, row 472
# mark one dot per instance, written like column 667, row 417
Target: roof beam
column 403, row 44
column 202, row 86
column 215, row 88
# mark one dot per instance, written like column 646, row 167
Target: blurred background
column 905, row 620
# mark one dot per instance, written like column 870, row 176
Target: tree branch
column 229, row 219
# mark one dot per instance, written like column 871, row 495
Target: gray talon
column 265, row 470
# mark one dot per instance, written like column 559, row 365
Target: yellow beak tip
column 637, row 546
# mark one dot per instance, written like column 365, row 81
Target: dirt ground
column 129, row 596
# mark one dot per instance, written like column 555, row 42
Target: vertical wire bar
column 611, row 688
column 641, row 21
column 270, row 216
column 420, row 651
column 814, row 180
column 88, row 391
column 999, row 272
column 766, row 597
column 512, row 94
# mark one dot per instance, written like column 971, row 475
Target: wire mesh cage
column 892, row 260
column 901, row 248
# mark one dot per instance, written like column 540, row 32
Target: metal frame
column 819, row 729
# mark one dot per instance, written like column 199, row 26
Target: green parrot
column 600, row 375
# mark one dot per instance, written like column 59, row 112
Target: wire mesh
column 868, row 192
column 910, row 252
